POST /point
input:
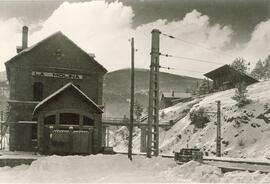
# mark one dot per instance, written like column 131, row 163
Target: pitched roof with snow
column 61, row 90
column 58, row 33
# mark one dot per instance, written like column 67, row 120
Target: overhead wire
column 185, row 70
column 197, row 45
column 192, row 59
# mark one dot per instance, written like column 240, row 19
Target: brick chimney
column 24, row 37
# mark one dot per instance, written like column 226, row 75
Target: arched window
column 38, row 91
column 88, row 121
column 69, row 119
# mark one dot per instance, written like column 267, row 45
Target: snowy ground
column 118, row 169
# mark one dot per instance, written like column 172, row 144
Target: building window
column 38, row 91
column 88, row 121
column 50, row 120
column 69, row 119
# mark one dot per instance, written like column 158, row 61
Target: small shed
column 169, row 99
column 68, row 123
column 226, row 77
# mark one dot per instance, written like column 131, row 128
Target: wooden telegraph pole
column 218, row 141
column 153, row 107
column 131, row 102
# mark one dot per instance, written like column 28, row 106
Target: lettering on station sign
column 57, row 75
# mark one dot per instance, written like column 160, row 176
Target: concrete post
column 218, row 141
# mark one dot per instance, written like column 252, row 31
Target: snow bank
column 118, row 169
column 78, row 169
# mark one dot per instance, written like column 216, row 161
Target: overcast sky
column 210, row 30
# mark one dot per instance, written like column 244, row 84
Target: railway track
column 225, row 164
column 229, row 164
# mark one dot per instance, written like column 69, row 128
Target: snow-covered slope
column 245, row 131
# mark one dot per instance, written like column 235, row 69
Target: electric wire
column 192, row 59
column 197, row 45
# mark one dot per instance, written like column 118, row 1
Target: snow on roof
column 60, row 91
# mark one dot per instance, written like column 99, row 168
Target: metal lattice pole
column 153, row 108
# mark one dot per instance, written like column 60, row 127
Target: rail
column 229, row 164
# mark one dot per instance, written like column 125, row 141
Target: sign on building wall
column 57, row 75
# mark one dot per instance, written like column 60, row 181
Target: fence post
column 50, row 139
column 218, row 139
column 70, row 139
column 90, row 141
column 1, row 129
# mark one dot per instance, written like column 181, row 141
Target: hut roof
column 61, row 90
column 228, row 70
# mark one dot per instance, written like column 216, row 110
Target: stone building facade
column 41, row 70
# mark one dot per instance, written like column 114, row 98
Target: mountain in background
column 116, row 91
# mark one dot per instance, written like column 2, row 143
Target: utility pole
column 153, row 108
column 218, row 141
column 131, row 102
column 1, row 127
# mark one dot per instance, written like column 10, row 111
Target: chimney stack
column 24, row 37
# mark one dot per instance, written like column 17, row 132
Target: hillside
column 116, row 91
column 245, row 131
column 117, row 88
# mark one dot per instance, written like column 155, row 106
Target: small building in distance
column 226, row 77
column 55, row 101
column 169, row 99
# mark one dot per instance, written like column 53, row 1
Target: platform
column 12, row 159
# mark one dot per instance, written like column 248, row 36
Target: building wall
column 43, row 59
column 71, row 102
column 56, row 54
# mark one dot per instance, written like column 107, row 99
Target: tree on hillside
column 267, row 67
column 259, row 71
column 240, row 64
column 138, row 109
column 241, row 95
column 262, row 69
column 204, row 87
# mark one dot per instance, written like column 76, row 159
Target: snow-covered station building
column 55, row 103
